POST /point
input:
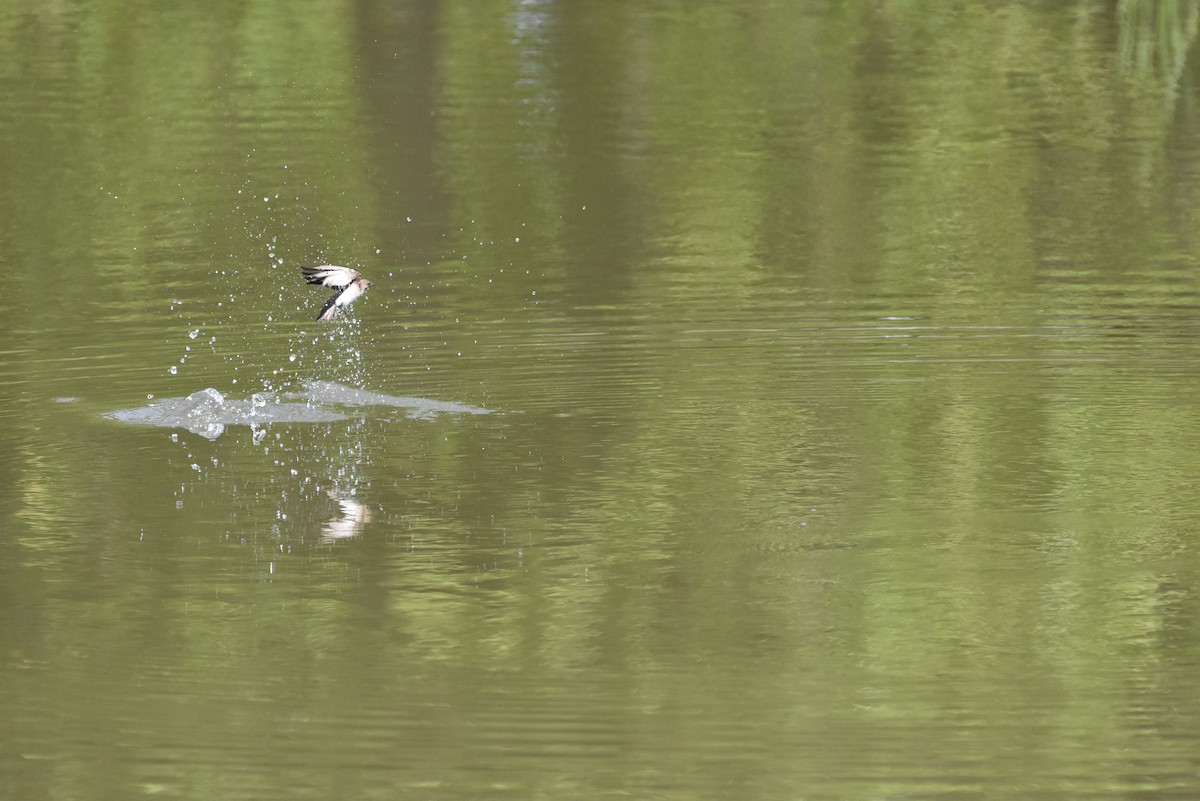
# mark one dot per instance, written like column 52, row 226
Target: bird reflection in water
column 354, row 515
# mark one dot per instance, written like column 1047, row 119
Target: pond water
column 753, row 401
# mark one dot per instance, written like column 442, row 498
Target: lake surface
column 754, row 401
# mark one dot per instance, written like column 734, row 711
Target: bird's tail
column 327, row 311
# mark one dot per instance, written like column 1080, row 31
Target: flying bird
column 350, row 286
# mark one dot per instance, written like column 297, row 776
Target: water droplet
column 194, row 334
column 173, row 370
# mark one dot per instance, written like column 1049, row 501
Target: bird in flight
column 350, row 286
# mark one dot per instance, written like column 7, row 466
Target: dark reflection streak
column 595, row 149
column 396, row 45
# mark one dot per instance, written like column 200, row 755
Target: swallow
column 349, row 283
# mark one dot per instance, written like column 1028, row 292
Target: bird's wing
column 329, row 275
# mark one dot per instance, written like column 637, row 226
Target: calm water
column 841, row 365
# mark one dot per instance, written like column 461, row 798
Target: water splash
column 208, row 412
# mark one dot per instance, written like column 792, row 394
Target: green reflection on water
column 842, row 358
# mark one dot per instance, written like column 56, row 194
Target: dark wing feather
column 313, row 275
column 329, row 275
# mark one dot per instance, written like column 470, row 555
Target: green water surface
column 843, row 362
